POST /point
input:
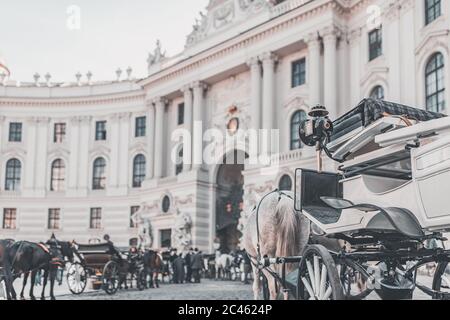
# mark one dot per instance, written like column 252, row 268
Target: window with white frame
column 432, row 10
column 375, row 44
column 12, row 176
column 58, row 176
column 9, row 219
column 435, row 83
column 54, row 216
column 99, row 174
column 377, row 93
column 138, row 170
column 95, row 221
column 297, row 118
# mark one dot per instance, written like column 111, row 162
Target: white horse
column 223, row 265
column 283, row 232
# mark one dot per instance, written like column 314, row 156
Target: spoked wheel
column 76, row 278
column 441, row 280
column 141, row 280
column 354, row 282
column 110, row 279
column 318, row 277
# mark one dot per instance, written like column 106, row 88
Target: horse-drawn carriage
column 387, row 201
column 106, row 267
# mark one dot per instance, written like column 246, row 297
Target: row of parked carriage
column 101, row 264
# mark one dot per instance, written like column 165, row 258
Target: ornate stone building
column 79, row 159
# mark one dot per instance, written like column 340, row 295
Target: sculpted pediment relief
column 221, row 13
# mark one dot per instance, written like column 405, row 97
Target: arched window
column 58, row 175
column 99, row 174
column 138, row 170
column 12, row 177
column 435, row 83
column 285, row 183
column 179, row 164
column 296, row 120
column 377, row 93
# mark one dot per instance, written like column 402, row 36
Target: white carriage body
column 426, row 191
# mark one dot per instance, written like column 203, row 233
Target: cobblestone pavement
column 207, row 290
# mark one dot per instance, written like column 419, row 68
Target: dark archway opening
column 229, row 200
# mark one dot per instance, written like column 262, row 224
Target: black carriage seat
column 398, row 220
column 310, row 187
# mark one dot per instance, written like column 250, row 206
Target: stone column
column 198, row 89
column 74, row 154
column 114, row 136
column 30, row 160
column 84, row 180
column 41, row 155
column 329, row 36
column 314, row 68
column 2, row 131
column 124, row 139
column 268, row 114
column 151, row 139
column 355, row 63
column 160, row 104
column 188, row 116
column 255, row 75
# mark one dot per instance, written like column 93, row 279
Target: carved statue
column 182, row 237
column 145, row 229
column 242, row 223
column 157, row 55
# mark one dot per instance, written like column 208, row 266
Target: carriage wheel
column 441, row 280
column 141, row 280
column 318, row 277
column 76, row 278
column 111, row 277
column 354, row 282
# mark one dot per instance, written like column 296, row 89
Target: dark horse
column 5, row 266
column 153, row 266
column 28, row 258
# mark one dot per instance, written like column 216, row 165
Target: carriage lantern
column 316, row 130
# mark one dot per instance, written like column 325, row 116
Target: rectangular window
column 133, row 210
column 100, row 130
column 375, row 44
column 432, row 10
column 298, row 73
column 59, row 133
column 166, row 238
column 15, row 132
column 9, row 219
column 181, row 114
column 140, row 130
column 53, row 219
column 96, row 218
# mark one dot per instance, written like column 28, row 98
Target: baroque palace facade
column 78, row 159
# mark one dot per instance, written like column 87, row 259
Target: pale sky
column 36, row 35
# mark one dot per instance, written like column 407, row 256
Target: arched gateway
column 229, row 200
